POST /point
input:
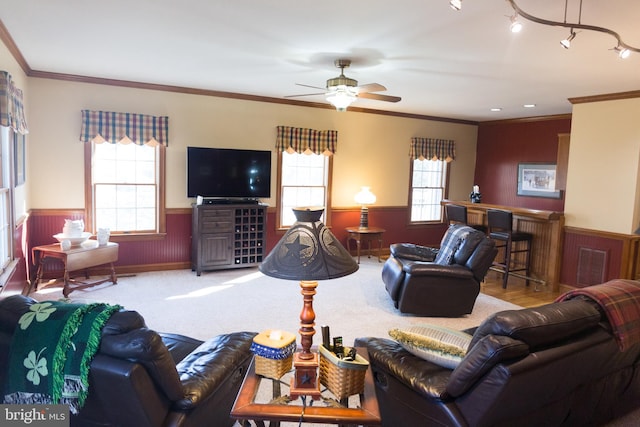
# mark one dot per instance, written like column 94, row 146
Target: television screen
column 228, row 173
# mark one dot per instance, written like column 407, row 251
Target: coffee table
column 74, row 259
column 254, row 402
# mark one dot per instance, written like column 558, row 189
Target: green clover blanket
column 51, row 351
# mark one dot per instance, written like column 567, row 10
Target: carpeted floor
column 244, row 299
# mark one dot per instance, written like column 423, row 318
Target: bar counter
column 546, row 227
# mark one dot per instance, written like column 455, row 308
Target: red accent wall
column 174, row 248
column 393, row 219
column 573, row 242
column 502, row 145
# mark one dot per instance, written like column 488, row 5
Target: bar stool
column 457, row 214
column 501, row 230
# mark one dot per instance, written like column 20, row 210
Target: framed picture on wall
column 19, row 153
column 538, row 180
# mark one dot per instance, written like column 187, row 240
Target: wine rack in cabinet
column 227, row 236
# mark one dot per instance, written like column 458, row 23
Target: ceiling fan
column 341, row 91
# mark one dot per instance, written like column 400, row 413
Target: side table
column 365, row 234
column 74, row 259
column 250, row 404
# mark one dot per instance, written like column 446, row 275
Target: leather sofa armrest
column 416, row 269
column 179, row 346
column 206, row 368
column 482, row 357
column 413, row 252
column 145, row 346
column 425, row 378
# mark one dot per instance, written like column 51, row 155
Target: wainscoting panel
column 591, row 257
column 171, row 251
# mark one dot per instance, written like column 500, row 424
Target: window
column 9, row 139
column 126, row 187
column 303, row 180
column 428, row 189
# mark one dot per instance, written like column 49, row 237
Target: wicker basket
column 343, row 378
column 273, row 353
column 273, row 368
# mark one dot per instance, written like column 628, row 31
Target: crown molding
column 605, row 97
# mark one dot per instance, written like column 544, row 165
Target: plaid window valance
column 301, row 140
column 432, row 149
column 11, row 105
column 100, row 126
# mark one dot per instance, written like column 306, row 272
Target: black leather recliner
column 442, row 282
column 145, row 379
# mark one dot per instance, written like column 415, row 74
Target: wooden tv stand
column 227, row 236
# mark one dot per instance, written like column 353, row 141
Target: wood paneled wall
column 546, row 228
column 590, row 255
column 173, row 251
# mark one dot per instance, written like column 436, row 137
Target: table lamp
column 307, row 252
column 364, row 197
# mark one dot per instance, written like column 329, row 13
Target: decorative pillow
column 437, row 344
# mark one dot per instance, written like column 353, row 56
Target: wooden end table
column 365, row 234
column 75, row 259
column 251, row 405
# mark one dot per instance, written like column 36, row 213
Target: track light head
column 516, row 25
column 566, row 43
column 455, row 4
column 622, row 52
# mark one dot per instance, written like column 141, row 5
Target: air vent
column 592, row 266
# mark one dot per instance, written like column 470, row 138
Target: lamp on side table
column 308, row 252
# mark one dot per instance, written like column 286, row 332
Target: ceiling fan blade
column 313, row 87
column 371, row 87
column 304, row 94
column 379, row 97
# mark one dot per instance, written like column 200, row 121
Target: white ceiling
column 441, row 62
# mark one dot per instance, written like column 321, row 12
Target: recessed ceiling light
column 529, row 105
column 496, row 109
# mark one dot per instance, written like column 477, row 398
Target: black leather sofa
column 554, row 365
column 423, row 281
column 144, row 379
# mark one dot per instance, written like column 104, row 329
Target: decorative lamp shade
column 365, row 197
column 308, row 251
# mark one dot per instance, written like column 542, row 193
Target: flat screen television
column 228, row 173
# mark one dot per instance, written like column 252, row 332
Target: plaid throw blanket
column 451, row 241
column 620, row 301
column 51, row 351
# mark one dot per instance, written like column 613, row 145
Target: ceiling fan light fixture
column 341, row 97
column 455, row 4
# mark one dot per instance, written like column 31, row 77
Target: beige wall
column 372, row 149
column 603, row 174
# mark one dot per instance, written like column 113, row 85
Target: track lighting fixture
column 622, row 49
column 455, row 4
column 566, row 43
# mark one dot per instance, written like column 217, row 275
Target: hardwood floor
column 517, row 292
